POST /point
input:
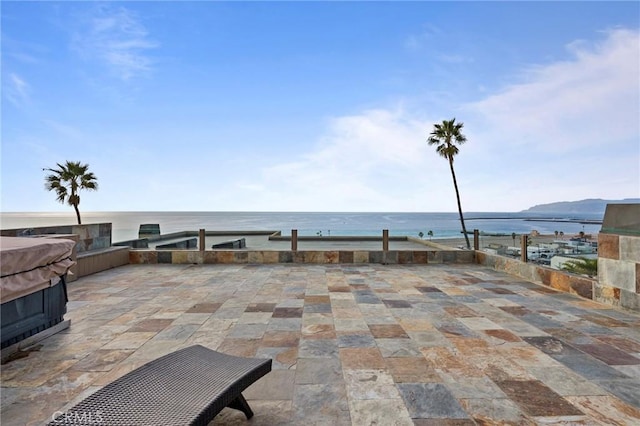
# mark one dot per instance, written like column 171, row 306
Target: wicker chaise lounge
column 187, row 387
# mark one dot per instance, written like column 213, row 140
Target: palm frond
column 582, row 265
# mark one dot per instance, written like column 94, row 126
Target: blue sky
column 320, row 106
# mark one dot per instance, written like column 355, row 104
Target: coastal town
column 554, row 253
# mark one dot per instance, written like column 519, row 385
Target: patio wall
column 93, row 236
column 309, row 257
column 619, row 257
column 618, row 282
column 554, row 278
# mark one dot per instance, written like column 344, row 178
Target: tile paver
column 351, row 344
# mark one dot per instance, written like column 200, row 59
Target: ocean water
column 125, row 225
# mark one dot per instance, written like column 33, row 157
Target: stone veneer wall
column 93, row 236
column 311, row 257
column 556, row 279
column 619, row 270
column 618, row 282
column 619, row 257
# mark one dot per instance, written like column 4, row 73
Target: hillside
column 592, row 205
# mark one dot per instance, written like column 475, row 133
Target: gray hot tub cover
column 29, row 264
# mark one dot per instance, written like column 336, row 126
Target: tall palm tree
column 67, row 180
column 446, row 137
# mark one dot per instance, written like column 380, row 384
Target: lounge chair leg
column 241, row 404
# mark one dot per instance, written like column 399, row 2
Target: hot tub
column 33, row 290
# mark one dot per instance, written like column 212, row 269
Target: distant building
column 496, row 249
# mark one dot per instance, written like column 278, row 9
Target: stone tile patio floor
column 351, row 344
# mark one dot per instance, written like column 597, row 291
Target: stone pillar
column 294, row 240
column 385, row 240
column 476, row 239
column 523, row 248
column 201, row 243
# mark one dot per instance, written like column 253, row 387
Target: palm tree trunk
column 455, row 185
column 75, row 206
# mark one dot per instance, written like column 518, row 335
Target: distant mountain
column 592, row 205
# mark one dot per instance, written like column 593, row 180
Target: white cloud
column 250, row 187
column 590, row 100
column 23, row 57
column 546, row 139
column 17, row 90
column 373, row 139
column 569, row 130
column 64, row 131
column 376, row 160
column 21, row 51
column 21, row 86
column 117, row 39
column 430, row 42
column 415, row 42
